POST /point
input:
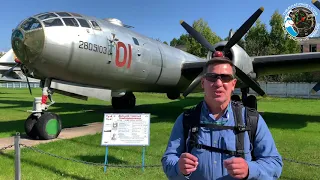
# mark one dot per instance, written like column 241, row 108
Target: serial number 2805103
column 92, row 47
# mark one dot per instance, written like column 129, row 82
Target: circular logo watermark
column 300, row 22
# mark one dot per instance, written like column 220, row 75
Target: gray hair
column 219, row 60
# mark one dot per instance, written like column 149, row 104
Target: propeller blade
column 316, row 3
column 29, row 85
column 10, row 70
column 197, row 36
column 193, row 85
column 315, row 88
column 243, row 29
column 246, row 79
column 230, row 34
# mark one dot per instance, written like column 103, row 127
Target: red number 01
column 125, row 56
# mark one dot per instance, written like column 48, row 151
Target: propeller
column 29, row 86
column 230, row 34
column 233, row 39
column 316, row 3
column 193, row 85
column 10, row 70
column 18, row 63
column 24, row 69
column 315, row 88
column 197, row 36
column 243, row 29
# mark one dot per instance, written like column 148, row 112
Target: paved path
column 66, row 133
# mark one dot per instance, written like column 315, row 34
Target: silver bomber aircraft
column 82, row 56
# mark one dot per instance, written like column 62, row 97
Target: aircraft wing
column 10, row 68
column 286, row 63
column 4, row 80
column 8, row 58
column 191, row 70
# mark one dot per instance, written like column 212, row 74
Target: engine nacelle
column 238, row 56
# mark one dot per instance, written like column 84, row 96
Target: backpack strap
column 252, row 117
column 191, row 121
column 239, row 124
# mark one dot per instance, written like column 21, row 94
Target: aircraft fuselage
column 102, row 54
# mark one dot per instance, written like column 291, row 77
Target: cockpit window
column 31, row 24
column 76, row 14
column 53, row 22
column 70, row 22
column 63, row 14
column 83, row 23
column 95, row 25
column 46, row 16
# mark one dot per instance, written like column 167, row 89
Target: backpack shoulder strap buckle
column 194, row 129
column 199, row 146
column 239, row 153
column 241, row 127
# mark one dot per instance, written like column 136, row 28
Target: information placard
column 127, row 129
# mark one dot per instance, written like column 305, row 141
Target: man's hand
column 237, row 167
column 187, row 163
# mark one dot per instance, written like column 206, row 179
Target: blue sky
column 156, row 19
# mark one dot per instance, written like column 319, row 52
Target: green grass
column 294, row 124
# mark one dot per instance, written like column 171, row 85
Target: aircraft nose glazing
column 28, row 40
column 17, row 44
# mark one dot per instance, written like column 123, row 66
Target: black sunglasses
column 213, row 77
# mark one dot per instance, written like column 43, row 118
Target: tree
column 280, row 41
column 165, row 42
column 281, row 44
column 182, row 41
column 257, row 40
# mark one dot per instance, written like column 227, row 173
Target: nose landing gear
column 42, row 124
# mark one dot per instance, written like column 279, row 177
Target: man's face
column 218, row 89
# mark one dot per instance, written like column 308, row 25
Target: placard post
column 106, row 160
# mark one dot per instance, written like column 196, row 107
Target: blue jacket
column 268, row 163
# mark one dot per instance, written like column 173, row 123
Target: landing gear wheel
column 235, row 97
column 30, row 126
column 173, row 95
column 131, row 101
column 251, row 102
column 49, row 126
column 127, row 101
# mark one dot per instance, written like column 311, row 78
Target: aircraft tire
column 116, row 102
column 131, row 100
column 252, row 102
column 30, row 126
column 127, row 101
column 173, row 95
column 49, row 126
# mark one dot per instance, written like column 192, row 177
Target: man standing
column 181, row 162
